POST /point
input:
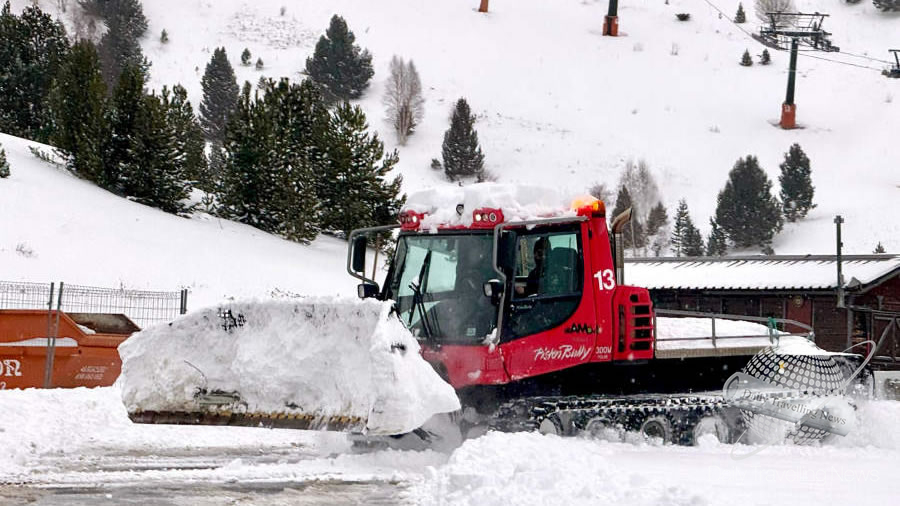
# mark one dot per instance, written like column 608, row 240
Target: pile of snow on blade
column 320, row 356
column 517, row 201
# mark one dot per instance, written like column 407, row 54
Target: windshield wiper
column 418, row 299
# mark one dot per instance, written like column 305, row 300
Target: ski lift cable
column 879, row 60
column 737, row 25
column 807, row 55
column 750, row 35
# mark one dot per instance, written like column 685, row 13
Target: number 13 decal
column 606, row 279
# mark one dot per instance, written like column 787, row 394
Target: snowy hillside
column 558, row 105
column 57, row 227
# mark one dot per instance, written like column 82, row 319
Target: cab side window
column 548, row 280
column 548, row 265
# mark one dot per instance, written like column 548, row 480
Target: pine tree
column 259, row 64
column 684, row 234
column 299, row 152
column 127, row 100
column 152, row 173
column 746, row 60
column 878, row 249
column 32, row 50
column 693, row 242
column 338, row 65
column 189, row 142
column 796, row 184
column 657, row 229
column 220, row 95
column 246, row 57
column 461, row 153
column 164, row 37
column 887, row 5
column 275, row 144
column 246, row 189
column 358, row 193
column 120, row 46
column 4, row 166
column 216, row 170
column 740, row 16
column 716, row 243
column 633, row 236
column 765, row 58
column 77, row 107
column 746, row 210
column 657, row 218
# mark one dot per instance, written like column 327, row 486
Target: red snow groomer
column 521, row 305
column 532, row 322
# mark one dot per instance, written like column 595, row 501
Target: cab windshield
column 438, row 284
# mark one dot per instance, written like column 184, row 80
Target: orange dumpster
column 85, row 354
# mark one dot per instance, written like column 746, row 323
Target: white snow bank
column 677, row 328
column 525, row 469
column 678, row 333
column 674, row 334
column 35, row 423
column 517, row 201
column 876, row 426
column 326, row 356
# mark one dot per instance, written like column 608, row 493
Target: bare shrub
column 601, row 192
column 25, row 250
column 403, row 98
column 765, row 6
column 642, row 187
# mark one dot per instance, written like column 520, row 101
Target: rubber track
column 527, row 414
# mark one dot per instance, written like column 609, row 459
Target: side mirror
column 493, row 289
column 366, row 290
column 359, row 253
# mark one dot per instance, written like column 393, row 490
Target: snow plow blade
column 317, row 363
column 267, row 420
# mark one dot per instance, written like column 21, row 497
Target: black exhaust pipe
column 618, row 225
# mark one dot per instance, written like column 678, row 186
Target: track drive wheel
column 552, row 424
column 657, row 427
column 710, row 425
column 601, row 428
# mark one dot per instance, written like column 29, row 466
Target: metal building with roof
column 804, row 288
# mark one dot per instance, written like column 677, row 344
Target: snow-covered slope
column 54, row 226
column 558, row 105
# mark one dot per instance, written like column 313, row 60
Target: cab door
column 550, row 323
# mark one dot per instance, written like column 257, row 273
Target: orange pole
column 484, row 6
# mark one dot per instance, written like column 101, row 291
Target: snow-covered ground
column 77, row 447
column 558, row 105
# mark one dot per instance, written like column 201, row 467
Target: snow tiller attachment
column 321, row 364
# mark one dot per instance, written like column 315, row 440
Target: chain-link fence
column 143, row 307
